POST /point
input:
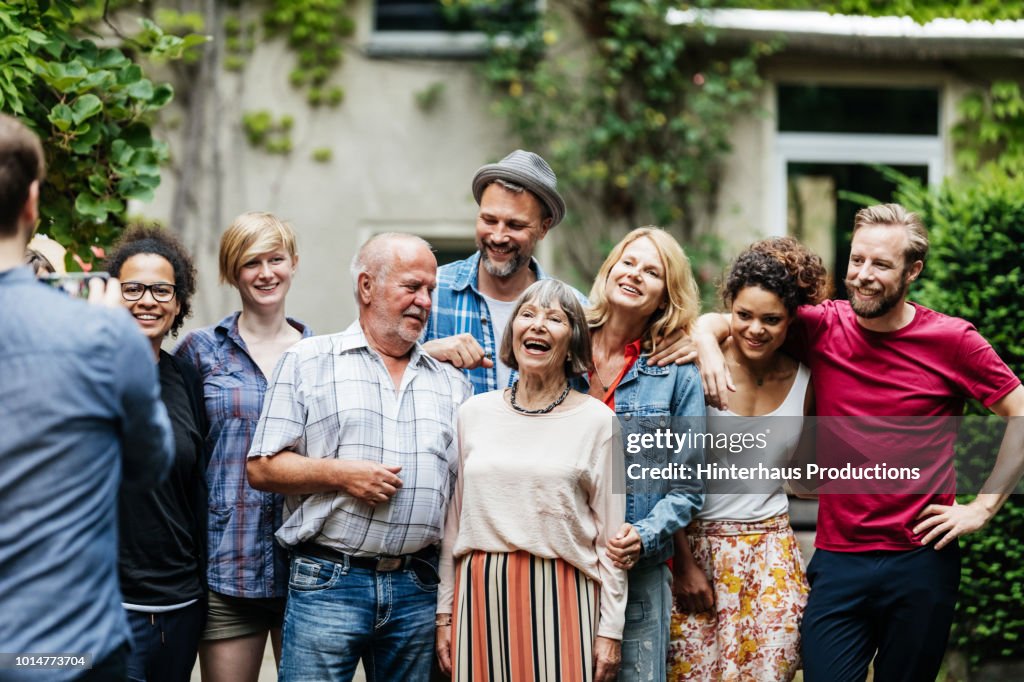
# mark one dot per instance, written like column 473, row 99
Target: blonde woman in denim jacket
column 645, row 292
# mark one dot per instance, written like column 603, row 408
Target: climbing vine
column 635, row 114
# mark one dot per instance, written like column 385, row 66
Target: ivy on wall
column 314, row 30
column 922, row 11
column 635, row 114
column 991, row 129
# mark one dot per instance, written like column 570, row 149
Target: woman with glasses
column 163, row 529
column 248, row 570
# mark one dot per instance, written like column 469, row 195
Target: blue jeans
column 648, row 613
column 338, row 615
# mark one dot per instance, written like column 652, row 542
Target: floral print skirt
column 753, row 633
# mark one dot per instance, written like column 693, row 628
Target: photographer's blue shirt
column 79, row 409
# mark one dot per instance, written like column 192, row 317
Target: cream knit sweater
column 539, row 483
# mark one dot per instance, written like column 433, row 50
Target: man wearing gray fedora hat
column 519, row 204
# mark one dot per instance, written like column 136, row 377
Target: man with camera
column 79, row 410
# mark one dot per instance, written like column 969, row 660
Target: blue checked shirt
column 460, row 308
column 244, row 560
column 332, row 398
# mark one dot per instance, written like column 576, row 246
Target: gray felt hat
column 526, row 169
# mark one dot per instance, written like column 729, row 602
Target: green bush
column 974, row 271
column 91, row 105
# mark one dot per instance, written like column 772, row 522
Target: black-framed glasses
column 133, row 291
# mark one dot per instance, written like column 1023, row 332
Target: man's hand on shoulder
column 948, row 522
column 709, row 332
column 461, row 351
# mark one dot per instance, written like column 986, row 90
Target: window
column 415, row 15
column 829, row 139
column 884, row 111
column 424, row 28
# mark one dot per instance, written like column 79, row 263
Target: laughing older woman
column 527, row 585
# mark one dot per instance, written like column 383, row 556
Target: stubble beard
column 876, row 309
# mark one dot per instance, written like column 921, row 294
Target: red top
column 926, row 369
column 632, row 352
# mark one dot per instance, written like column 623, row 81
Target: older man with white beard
column 358, row 430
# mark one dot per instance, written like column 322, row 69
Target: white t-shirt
column 500, row 311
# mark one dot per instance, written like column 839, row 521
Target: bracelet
column 443, row 620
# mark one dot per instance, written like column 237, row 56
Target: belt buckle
column 389, row 563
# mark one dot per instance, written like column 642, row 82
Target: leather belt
column 383, row 564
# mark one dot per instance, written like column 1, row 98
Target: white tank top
column 762, row 499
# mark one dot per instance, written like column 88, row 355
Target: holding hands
column 625, row 548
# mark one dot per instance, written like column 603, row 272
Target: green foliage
column 991, row 129
column 976, row 271
column 921, row 11
column 91, row 106
column 315, row 30
column 239, row 42
column 264, row 132
column 323, row 155
column 428, row 98
column 636, row 117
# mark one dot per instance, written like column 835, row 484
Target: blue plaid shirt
column 460, row 308
column 244, row 560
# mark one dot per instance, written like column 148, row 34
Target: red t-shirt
column 926, row 369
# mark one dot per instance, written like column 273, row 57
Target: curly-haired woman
column 740, row 585
column 163, row 529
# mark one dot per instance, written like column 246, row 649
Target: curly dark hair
column 145, row 239
column 783, row 266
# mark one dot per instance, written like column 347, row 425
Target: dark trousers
column 898, row 604
column 113, row 668
column 164, row 645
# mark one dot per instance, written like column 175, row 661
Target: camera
column 74, row 283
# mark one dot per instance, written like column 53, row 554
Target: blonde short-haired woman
column 247, row 570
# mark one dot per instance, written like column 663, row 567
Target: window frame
column 863, row 148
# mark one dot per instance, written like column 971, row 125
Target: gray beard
column 502, row 271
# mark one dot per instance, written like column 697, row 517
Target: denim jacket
column 650, row 398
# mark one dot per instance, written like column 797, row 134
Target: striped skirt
column 753, row 633
column 521, row 618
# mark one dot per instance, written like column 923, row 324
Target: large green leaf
column 61, row 117
column 85, row 107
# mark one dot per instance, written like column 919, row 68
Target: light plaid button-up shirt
column 332, row 398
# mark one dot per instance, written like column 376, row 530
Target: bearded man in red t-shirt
column 886, row 570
